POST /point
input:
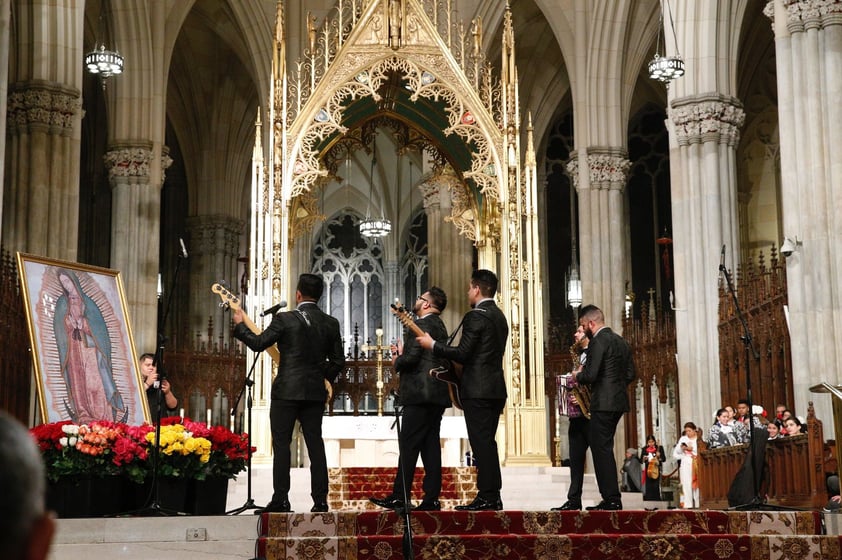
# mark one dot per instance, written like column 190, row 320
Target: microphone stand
column 248, row 384
column 406, row 511
column 155, row 508
column 757, row 502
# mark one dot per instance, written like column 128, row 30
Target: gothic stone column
column 135, row 233
column 704, row 135
column 603, row 259
column 449, row 253
column 41, row 197
column 214, row 248
column 808, row 46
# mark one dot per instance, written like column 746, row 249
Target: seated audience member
column 27, row 526
column 774, row 429
column 787, row 413
column 742, row 411
column 779, row 412
column 793, row 426
column 722, row 433
column 631, row 470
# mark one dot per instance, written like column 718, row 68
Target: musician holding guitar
column 424, row 400
column 311, row 346
column 483, row 385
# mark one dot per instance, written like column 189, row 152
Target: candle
column 232, row 422
column 181, row 413
column 209, row 418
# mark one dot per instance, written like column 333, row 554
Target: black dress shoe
column 569, row 505
column 389, row 502
column 434, row 505
column 320, row 507
column 481, row 504
column 606, row 505
column 275, row 507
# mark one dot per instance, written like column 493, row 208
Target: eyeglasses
column 422, row 298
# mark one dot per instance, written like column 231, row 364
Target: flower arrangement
column 187, row 449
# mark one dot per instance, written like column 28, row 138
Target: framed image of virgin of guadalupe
column 82, row 344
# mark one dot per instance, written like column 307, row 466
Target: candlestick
column 209, row 418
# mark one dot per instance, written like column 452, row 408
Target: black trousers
column 481, row 418
column 282, row 415
column 602, row 427
column 420, row 425
column 577, row 436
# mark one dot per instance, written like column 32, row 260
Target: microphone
column 183, row 248
column 722, row 258
column 274, row 309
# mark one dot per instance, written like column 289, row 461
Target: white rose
column 63, row 442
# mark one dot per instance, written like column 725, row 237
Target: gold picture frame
column 82, row 345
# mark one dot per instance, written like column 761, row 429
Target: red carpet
column 351, row 487
column 666, row 534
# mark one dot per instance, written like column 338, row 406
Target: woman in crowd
column 722, row 433
column 793, row 426
column 774, row 429
column 652, row 456
column 686, row 451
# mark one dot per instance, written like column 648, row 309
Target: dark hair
column 310, row 286
column 438, row 297
column 591, row 313
column 742, row 401
column 145, row 355
column 720, row 411
column 690, row 425
column 486, row 280
column 650, row 436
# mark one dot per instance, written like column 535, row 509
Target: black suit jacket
column 608, row 370
column 311, row 351
column 414, row 365
column 480, row 351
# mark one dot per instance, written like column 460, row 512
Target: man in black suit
column 311, row 352
column 424, row 400
column 577, row 433
column 608, row 370
column 483, row 385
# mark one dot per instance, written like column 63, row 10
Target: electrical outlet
column 200, row 534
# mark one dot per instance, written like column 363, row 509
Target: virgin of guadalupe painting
column 83, row 350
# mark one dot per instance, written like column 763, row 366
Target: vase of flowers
column 88, row 465
column 82, row 478
column 208, row 493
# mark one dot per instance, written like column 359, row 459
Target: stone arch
column 425, row 79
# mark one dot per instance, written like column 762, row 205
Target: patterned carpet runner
column 350, row 488
column 452, row 535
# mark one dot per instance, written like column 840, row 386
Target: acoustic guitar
column 449, row 372
column 233, row 302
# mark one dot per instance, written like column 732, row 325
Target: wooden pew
column 795, row 470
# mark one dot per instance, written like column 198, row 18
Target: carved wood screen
column 762, row 295
column 16, row 364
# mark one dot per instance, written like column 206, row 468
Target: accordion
column 573, row 399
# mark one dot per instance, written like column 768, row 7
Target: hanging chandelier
column 665, row 68
column 374, row 227
column 103, row 61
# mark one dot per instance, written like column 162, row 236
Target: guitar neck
column 234, row 303
column 404, row 318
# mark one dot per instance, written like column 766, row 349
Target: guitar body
column 451, row 373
